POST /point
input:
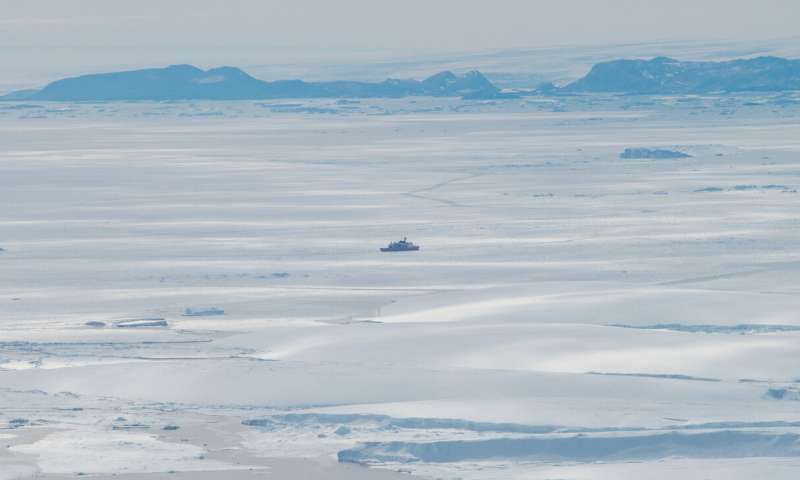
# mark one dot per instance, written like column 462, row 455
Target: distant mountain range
column 186, row 82
column 664, row 75
column 660, row 75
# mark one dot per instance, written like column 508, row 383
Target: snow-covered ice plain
column 570, row 314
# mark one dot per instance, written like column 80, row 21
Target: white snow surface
column 97, row 451
column 569, row 315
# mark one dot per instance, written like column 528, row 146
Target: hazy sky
column 88, row 34
column 405, row 24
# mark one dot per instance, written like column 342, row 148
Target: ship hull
column 410, row 249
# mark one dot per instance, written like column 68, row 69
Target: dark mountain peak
column 183, row 67
column 232, row 75
column 767, row 59
column 441, row 79
column 478, row 80
column 445, row 75
column 228, row 71
column 664, row 75
column 467, row 84
column 175, row 82
column 187, row 82
column 663, row 60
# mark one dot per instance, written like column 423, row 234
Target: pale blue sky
column 85, row 35
column 396, row 24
